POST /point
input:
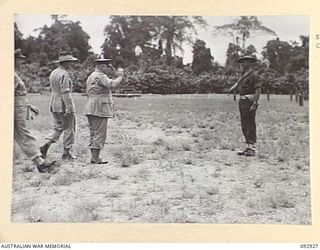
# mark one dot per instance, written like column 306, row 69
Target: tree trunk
column 301, row 99
column 291, row 95
column 243, row 41
column 168, row 50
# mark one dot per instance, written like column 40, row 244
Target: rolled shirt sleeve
column 65, row 83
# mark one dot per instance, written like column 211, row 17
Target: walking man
column 99, row 107
column 22, row 135
column 62, row 107
column 250, row 89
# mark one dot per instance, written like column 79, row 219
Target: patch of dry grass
column 281, row 199
column 185, row 168
column 83, row 211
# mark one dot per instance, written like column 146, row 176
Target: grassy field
column 172, row 159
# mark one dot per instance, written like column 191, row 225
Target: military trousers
column 98, row 131
column 65, row 124
column 22, row 134
column 248, row 121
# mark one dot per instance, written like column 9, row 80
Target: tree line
column 147, row 46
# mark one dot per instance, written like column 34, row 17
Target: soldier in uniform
column 62, row 107
column 22, row 135
column 99, row 107
column 300, row 90
column 250, row 89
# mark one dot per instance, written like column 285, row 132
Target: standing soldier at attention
column 250, row 89
column 99, row 107
column 62, row 107
column 22, row 135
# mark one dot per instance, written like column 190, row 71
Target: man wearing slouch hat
column 99, row 107
column 62, row 107
column 249, row 86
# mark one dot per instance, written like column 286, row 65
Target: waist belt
column 20, row 100
column 20, row 97
column 244, row 97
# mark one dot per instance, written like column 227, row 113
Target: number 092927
column 308, row 246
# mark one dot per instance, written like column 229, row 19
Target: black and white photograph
column 161, row 119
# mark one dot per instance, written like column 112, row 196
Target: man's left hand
column 253, row 106
column 34, row 109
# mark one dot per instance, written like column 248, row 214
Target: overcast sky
column 288, row 28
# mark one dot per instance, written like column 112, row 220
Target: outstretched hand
column 120, row 72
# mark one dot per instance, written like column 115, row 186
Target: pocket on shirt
column 107, row 107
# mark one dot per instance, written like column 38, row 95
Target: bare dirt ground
column 173, row 159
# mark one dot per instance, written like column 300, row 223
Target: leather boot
column 67, row 156
column 243, row 152
column 250, row 152
column 44, row 149
column 95, row 159
column 49, row 167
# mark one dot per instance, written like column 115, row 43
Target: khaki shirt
column 100, row 101
column 249, row 84
column 60, row 83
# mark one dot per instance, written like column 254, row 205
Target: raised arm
column 117, row 81
column 112, row 83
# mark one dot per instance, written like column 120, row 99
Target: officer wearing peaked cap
column 62, row 107
column 250, row 89
column 99, row 107
column 22, row 135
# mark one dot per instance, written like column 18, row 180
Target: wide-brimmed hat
column 101, row 59
column 66, row 56
column 248, row 58
column 18, row 54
